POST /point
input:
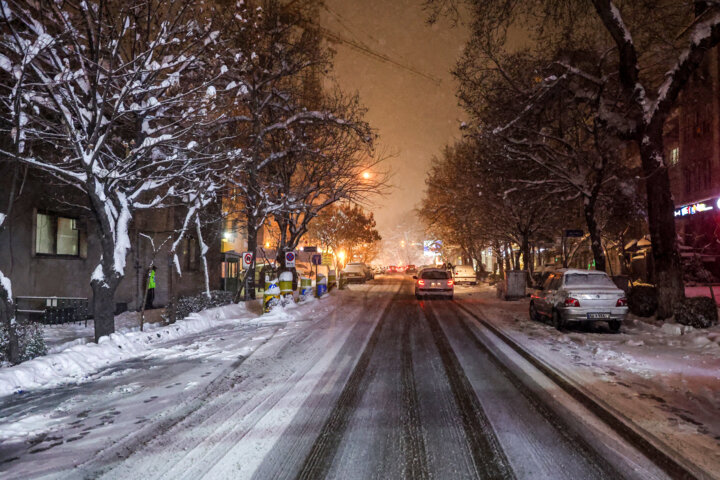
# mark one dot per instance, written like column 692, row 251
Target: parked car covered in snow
column 571, row 295
column 464, row 274
column 434, row 281
column 357, row 272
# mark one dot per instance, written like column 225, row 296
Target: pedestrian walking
column 151, row 288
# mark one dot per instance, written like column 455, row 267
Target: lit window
column 674, row 156
column 55, row 235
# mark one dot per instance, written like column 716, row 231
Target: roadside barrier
column 331, row 279
column 321, row 283
column 271, row 294
column 286, row 289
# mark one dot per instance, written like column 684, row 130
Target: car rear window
column 589, row 279
column 435, row 275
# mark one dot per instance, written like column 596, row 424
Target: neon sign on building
column 699, row 207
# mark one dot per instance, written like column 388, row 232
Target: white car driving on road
column 434, row 281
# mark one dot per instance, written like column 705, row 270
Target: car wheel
column 614, row 325
column 557, row 320
column 450, row 297
column 534, row 316
column 418, row 296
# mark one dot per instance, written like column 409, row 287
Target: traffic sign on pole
column 574, row 233
column 247, row 260
column 309, row 249
column 289, row 259
column 327, row 258
column 317, row 259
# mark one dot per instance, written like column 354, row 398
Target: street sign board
column 327, row 258
column 310, row 249
column 574, row 233
column 317, row 259
column 247, row 260
column 289, row 259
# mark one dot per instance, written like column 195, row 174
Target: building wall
column 35, row 274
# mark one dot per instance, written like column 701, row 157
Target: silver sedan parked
column 570, row 295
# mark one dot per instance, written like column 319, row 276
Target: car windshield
column 588, row 279
column 354, row 267
column 435, row 275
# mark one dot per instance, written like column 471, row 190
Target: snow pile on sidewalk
column 79, row 361
column 63, row 336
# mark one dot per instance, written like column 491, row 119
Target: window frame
column 55, row 218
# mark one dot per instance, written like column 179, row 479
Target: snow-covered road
column 369, row 383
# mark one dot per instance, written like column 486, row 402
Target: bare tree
column 117, row 89
column 647, row 52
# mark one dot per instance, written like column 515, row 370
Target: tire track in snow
column 249, row 406
column 319, row 460
column 487, row 454
column 603, row 468
column 670, row 463
column 414, row 447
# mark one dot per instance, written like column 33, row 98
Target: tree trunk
column 252, row 248
column 104, row 307
column 595, row 240
column 661, row 220
column 525, row 249
column 7, row 314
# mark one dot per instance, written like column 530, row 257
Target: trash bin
column 515, row 281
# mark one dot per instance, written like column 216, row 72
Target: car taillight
column 622, row 302
column 421, row 283
column 572, row 302
column 450, row 283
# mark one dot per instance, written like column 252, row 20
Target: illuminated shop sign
column 699, row 207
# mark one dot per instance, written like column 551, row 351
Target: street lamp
column 366, row 175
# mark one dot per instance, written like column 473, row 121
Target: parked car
column 354, row 273
column 571, row 295
column 464, row 274
column 410, row 269
column 357, row 272
column 434, row 281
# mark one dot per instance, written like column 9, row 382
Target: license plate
column 593, row 316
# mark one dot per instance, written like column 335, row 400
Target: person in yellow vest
column 151, row 288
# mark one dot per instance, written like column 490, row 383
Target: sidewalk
column 664, row 377
column 76, row 361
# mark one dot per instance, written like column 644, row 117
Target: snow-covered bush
column 698, row 312
column 694, row 271
column 184, row 306
column 30, row 338
column 643, row 300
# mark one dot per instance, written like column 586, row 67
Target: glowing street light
column 366, row 175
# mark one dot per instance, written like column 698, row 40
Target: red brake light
column 622, row 302
column 572, row 302
column 450, row 283
column 421, row 282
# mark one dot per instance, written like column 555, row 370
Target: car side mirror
column 414, row 277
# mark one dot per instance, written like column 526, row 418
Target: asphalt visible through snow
column 379, row 386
